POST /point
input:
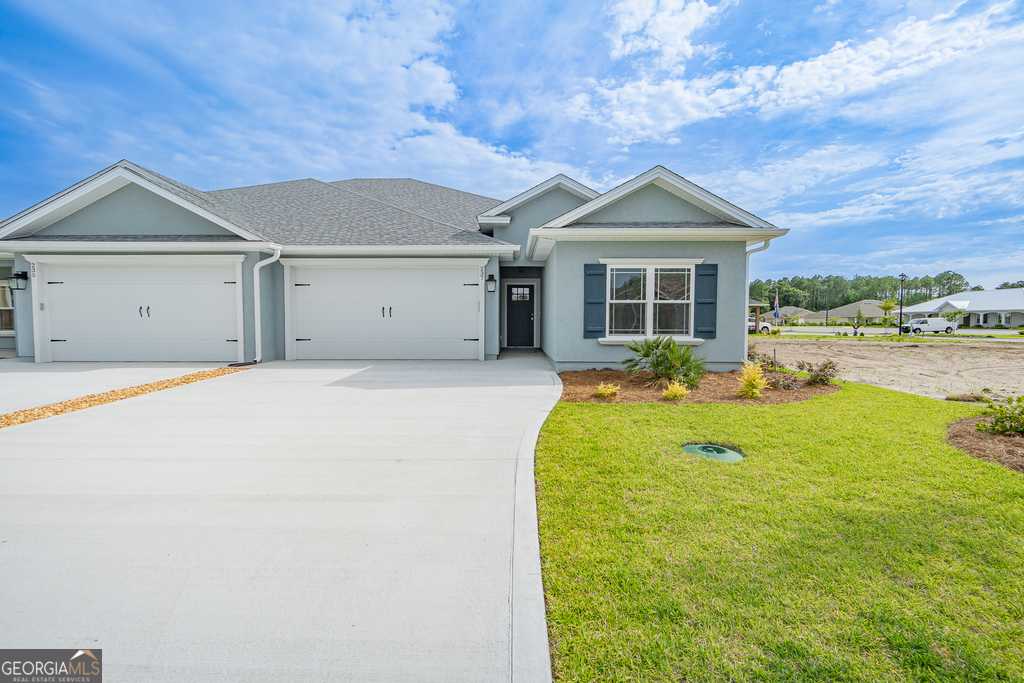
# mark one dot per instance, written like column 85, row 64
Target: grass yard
column 852, row 544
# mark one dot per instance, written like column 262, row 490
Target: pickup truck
column 936, row 325
column 764, row 327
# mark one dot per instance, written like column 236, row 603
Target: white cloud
column 661, row 26
column 259, row 91
column 650, row 108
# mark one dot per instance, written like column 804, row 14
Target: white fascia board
column 411, row 262
column 560, row 181
column 542, row 240
column 98, row 187
column 494, row 220
column 641, row 262
column 672, row 182
column 61, row 247
column 400, row 250
column 115, row 259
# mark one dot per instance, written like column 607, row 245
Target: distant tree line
column 1019, row 284
column 821, row 291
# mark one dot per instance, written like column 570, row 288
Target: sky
column 886, row 136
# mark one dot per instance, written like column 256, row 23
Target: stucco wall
column 562, row 335
column 534, row 214
column 133, row 210
column 650, row 204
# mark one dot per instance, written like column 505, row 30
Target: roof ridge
column 393, row 206
column 279, row 182
column 422, row 182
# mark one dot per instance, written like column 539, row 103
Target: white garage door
column 142, row 312
column 390, row 312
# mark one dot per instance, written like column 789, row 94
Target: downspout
column 258, row 317
column 746, row 309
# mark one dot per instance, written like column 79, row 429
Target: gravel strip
column 33, row 414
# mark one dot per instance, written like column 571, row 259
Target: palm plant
column 887, row 307
column 663, row 362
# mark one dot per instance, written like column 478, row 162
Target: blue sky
column 887, row 136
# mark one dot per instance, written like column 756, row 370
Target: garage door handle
column 140, row 311
column 389, row 311
column 147, row 311
column 382, row 311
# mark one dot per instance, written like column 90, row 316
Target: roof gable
column 498, row 215
column 668, row 181
column 108, row 181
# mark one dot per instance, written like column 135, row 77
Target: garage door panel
column 151, row 312
column 428, row 312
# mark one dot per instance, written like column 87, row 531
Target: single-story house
column 987, row 308
column 848, row 313
column 129, row 265
column 787, row 312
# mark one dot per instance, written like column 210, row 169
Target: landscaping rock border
column 71, row 405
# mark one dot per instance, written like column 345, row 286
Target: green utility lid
column 713, row 452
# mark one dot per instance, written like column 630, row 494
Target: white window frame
column 649, row 266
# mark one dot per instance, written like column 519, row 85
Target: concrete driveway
column 346, row 521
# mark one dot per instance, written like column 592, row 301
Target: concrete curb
column 531, row 654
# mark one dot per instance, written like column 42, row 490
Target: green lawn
column 852, row 544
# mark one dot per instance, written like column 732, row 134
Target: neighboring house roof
column 789, row 311
column 980, row 302
column 869, row 307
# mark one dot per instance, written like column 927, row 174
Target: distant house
column 786, row 312
column 848, row 313
column 986, row 308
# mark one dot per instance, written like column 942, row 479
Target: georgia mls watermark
column 51, row 666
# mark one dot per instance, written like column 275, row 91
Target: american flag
column 776, row 304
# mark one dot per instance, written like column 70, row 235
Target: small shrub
column 674, row 391
column 1020, row 331
column 822, row 373
column 665, row 362
column 606, row 390
column 782, row 380
column 999, row 326
column 765, row 360
column 775, row 330
column 1008, row 417
column 752, row 381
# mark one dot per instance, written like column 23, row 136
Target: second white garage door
column 359, row 310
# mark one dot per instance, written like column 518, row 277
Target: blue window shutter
column 594, row 275
column 705, row 291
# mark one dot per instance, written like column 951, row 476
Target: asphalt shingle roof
column 454, row 207
column 311, row 212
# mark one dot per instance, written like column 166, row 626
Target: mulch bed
column 716, row 387
column 69, row 406
column 1007, row 451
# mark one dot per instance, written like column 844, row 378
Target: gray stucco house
column 129, row 265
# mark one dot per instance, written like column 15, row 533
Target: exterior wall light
column 18, row 280
column 492, row 284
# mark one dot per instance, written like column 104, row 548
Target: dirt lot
column 934, row 369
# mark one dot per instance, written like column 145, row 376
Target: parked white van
column 936, row 325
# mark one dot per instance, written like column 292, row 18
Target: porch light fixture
column 492, row 284
column 18, row 280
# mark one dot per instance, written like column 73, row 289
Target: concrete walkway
column 344, row 521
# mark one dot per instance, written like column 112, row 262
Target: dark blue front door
column 519, row 309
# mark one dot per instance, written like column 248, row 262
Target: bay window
column 650, row 300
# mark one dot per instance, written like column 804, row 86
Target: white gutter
column 75, row 247
column 538, row 236
column 258, row 317
column 402, row 250
column 746, row 294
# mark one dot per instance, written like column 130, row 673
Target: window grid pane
column 628, row 284
column 672, row 284
column 672, row 318
column 627, row 318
